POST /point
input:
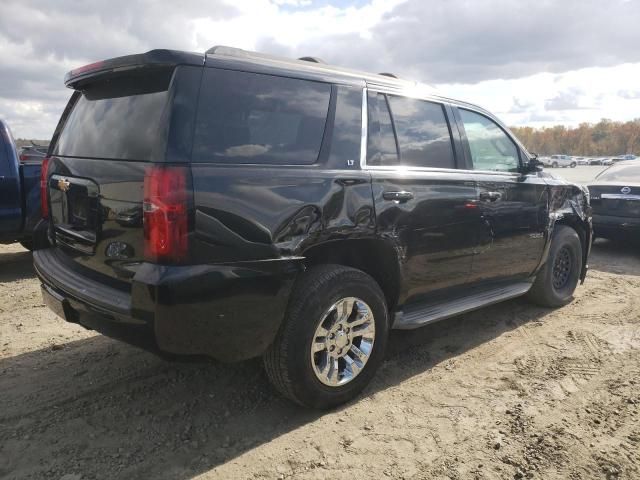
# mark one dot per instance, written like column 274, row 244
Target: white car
column 555, row 161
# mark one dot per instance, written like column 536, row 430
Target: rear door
column 424, row 205
column 112, row 130
column 514, row 205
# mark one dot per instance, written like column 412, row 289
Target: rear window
column 254, row 118
column 625, row 174
column 117, row 118
column 381, row 144
column 423, row 133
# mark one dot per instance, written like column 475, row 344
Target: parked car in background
column 33, row 152
column 615, row 199
column 233, row 204
column 556, row 161
column 19, row 192
column 606, row 161
column 621, row 158
column 583, row 160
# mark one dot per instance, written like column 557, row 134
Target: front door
column 514, row 205
column 424, row 205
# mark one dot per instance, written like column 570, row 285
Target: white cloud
column 597, row 95
column 542, row 63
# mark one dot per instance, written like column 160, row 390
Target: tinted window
column 347, row 127
column 118, row 118
column 423, row 133
column 381, row 144
column 253, row 118
column 621, row 173
column 491, row 148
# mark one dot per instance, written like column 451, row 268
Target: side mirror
column 534, row 165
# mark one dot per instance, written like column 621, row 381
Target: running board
column 414, row 316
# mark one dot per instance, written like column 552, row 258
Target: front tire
column 558, row 278
column 333, row 337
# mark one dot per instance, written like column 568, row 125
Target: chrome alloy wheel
column 343, row 341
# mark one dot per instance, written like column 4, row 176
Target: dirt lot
column 512, row 391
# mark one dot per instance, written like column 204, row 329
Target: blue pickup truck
column 19, row 193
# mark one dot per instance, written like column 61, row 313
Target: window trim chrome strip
column 619, row 196
column 363, row 137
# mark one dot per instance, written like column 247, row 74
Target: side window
column 423, row 133
column 254, row 118
column 347, row 126
column 491, row 148
column 381, row 144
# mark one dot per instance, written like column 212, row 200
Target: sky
column 535, row 63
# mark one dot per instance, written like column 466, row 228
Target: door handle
column 490, row 196
column 400, row 197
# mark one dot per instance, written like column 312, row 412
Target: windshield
column 621, row 173
column 117, row 118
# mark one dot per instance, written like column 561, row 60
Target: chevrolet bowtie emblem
column 64, row 184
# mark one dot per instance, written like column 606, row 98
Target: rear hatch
column 113, row 129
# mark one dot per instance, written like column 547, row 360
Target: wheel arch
column 373, row 256
column 582, row 226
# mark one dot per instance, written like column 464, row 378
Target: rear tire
column 554, row 165
column 573, row 165
column 558, row 278
column 28, row 244
column 295, row 369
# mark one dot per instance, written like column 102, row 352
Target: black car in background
column 615, row 199
column 234, row 204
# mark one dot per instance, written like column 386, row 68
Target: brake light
column 23, row 157
column 44, row 204
column 166, row 213
column 87, row 68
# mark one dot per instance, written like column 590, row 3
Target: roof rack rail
column 312, row 59
column 389, row 74
column 229, row 51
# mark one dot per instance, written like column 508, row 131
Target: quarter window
column 491, row 148
column 423, row 133
column 254, row 118
column 347, row 126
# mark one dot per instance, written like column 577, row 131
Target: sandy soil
column 511, row 391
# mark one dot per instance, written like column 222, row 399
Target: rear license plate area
column 74, row 212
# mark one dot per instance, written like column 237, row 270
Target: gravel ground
column 511, row 391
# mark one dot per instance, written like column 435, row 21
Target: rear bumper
column 608, row 225
column 229, row 312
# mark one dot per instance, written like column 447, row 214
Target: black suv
column 234, row 204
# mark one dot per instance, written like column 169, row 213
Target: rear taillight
column 23, row 157
column 44, row 204
column 166, row 213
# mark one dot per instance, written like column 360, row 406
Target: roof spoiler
column 153, row 58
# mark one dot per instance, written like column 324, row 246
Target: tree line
column 590, row 140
